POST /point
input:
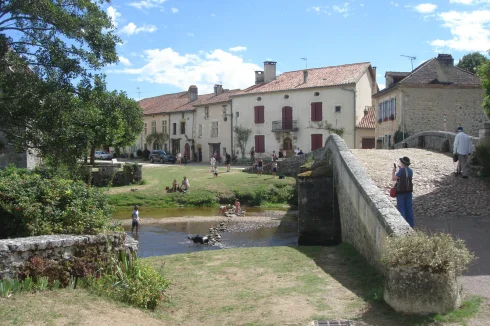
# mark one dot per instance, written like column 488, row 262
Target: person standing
column 463, row 146
column 274, row 156
column 213, row 163
column 296, row 151
column 135, row 216
column 228, row 161
column 260, row 164
column 281, row 155
column 274, row 169
column 252, row 155
column 404, row 189
column 179, row 158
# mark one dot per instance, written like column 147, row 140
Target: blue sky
column 168, row 45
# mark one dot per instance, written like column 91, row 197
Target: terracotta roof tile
column 223, row 97
column 397, row 73
column 317, row 77
column 176, row 102
column 426, row 73
column 368, row 121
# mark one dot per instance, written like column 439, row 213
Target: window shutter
column 316, row 141
column 395, row 106
column 260, row 144
column 261, row 116
column 313, row 111
column 318, row 114
column 256, row 114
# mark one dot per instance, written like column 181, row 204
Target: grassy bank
column 206, row 190
column 246, row 286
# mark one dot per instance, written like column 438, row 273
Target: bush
column 482, row 155
column 133, row 282
column 32, row 205
column 398, row 136
column 146, row 154
column 139, row 153
column 437, row 253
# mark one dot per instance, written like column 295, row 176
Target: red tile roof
column 223, row 97
column 176, row 102
column 317, row 77
column 368, row 121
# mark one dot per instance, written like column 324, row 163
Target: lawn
column 206, row 190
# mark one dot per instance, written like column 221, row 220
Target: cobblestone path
column 442, row 202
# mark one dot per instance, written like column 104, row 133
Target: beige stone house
column 366, row 129
column 435, row 96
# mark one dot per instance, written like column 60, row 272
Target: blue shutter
column 395, row 105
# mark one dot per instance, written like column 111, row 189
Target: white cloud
column 175, row 10
column 131, row 29
column 190, row 34
column 469, row 2
column 238, row 48
column 395, row 4
column 317, row 9
column 213, row 15
column 168, row 67
column 343, row 9
column 425, row 8
column 470, row 31
column 147, row 4
column 125, row 61
column 113, row 15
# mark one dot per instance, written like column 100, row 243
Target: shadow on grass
column 352, row 271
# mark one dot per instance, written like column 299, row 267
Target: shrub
column 398, row 136
column 146, row 154
column 139, row 153
column 33, row 205
column 482, row 155
column 131, row 281
column 437, row 253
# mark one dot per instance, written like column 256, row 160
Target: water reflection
column 168, row 239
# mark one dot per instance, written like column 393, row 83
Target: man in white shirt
column 463, row 147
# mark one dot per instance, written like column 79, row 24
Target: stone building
column 435, row 96
column 366, row 128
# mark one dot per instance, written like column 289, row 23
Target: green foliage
column 472, row 61
column 436, row 253
column 33, row 205
column 482, row 155
column 156, row 138
column 330, row 128
column 241, row 137
column 484, row 74
column 398, row 136
column 131, row 281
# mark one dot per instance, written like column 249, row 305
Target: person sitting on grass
column 175, row 185
column 185, row 185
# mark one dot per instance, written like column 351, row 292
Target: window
column 259, row 98
column 380, row 115
column 164, row 126
column 174, row 128
column 286, row 96
column 393, row 107
column 182, row 128
column 338, row 108
column 199, row 130
column 260, row 144
column 316, row 93
column 316, row 141
column 316, row 111
column 383, row 111
column 206, row 112
column 146, row 128
column 259, row 114
column 389, row 109
column 153, row 126
column 214, row 129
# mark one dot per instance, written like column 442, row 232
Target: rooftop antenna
column 306, row 62
column 139, row 93
column 410, row 57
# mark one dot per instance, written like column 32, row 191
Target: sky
column 168, row 45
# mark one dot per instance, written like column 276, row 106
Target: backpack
column 404, row 183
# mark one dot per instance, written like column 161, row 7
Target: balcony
column 286, row 125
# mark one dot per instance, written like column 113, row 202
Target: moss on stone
column 322, row 171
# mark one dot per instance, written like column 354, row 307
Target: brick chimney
column 218, row 89
column 192, row 93
column 305, row 76
column 445, row 69
column 259, row 77
column 269, row 71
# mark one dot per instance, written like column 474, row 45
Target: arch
column 287, row 144
column 156, row 145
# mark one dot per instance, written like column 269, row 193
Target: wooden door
column 368, row 143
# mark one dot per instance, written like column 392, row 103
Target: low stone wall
column 367, row 216
column 121, row 174
column 14, row 253
column 442, row 141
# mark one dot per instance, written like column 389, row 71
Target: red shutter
column 256, row 144
column 313, row 111
column 256, row 114
column 260, row 144
column 318, row 110
column 259, row 114
column 316, row 141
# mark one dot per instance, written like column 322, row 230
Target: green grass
column 206, row 190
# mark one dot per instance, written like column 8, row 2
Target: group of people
column 184, row 187
column 462, row 148
column 230, row 209
column 214, row 161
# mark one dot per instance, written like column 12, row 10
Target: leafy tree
column 156, row 137
column 484, row 73
column 471, row 62
column 241, row 138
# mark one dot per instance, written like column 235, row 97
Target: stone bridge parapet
column 435, row 140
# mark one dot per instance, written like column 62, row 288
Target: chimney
column 445, row 69
column 259, row 77
column 218, row 89
column 305, row 76
column 269, row 71
column 192, row 93
column 365, row 111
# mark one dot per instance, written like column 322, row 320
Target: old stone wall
column 14, row 253
column 8, row 155
column 442, row 141
column 424, row 109
column 120, row 174
column 367, row 216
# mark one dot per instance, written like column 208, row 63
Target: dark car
column 161, row 156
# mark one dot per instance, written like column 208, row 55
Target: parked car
column 102, row 155
column 161, row 156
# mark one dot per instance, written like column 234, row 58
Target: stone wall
column 8, row 155
column 14, row 253
column 367, row 216
column 442, row 141
column 103, row 174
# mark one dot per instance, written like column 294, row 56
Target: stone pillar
column 319, row 218
column 485, row 134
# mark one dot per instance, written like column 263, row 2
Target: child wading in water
column 136, row 219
